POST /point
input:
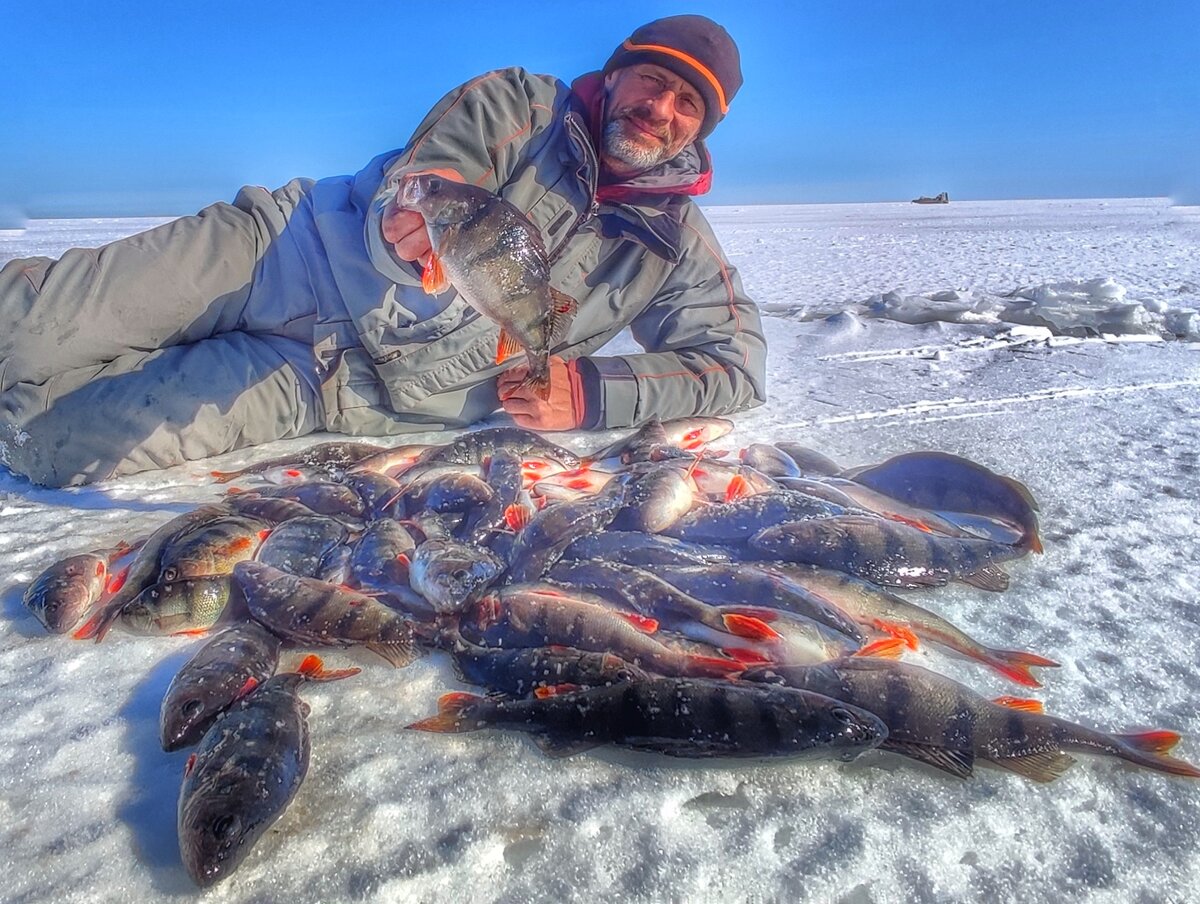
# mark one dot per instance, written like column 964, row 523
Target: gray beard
column 632, row 153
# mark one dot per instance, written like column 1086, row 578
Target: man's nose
column 662, row 104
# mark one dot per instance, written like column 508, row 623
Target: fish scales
column 247, row 769
column 936, row 720
column 744, row 585
column 474, row 447
column 305, row 610
column 64, row 592
column 523, row 670
column 874, row 606
column 299, row 545
column 556, row 527
column 211, row 548
column 689, row 718
column 518, row 616
column 887, row 552
column 226, row 667
column 493, row 255
column 181, row 607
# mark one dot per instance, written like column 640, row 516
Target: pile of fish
column 653, row 594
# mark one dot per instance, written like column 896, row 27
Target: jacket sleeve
column 705, row 350
column 479, row 130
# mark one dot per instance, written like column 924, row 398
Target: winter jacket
column 638, row 255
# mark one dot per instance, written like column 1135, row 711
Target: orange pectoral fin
column 507, row 347
column 433, row 278
column 517, row 517
column 887, row 648
column 1021, row 704
column 739, row 488
column 897, row 630
column 553, row 690
column 643, row 623
column 749, row 627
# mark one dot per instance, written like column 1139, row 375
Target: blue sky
column 126, row 108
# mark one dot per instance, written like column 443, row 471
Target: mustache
column 646, row 118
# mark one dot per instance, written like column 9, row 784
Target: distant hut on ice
column 943, row 198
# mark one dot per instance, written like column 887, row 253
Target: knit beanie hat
column 696, row 49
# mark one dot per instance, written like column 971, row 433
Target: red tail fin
column 450, row 714
column 97, row 626
column 1015, row 665
column 1161, row 741
column 314, row 669
column 1149, row 749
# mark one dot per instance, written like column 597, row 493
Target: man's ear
column 611, row 78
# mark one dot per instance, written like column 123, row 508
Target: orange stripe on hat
column 691, row 61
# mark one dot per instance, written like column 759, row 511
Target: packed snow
column 1049, row 340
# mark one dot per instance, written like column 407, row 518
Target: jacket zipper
column 592, row 166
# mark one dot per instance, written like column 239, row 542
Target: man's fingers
column 414, row 245
column 398, row 222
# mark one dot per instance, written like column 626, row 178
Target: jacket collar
column 689, row 173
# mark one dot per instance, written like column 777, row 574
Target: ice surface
column 1104, row 433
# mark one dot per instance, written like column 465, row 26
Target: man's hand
column 563, row 410
column 405, row 230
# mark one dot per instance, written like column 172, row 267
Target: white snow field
column 1038, row 338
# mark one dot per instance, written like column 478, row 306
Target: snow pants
column 155, row 350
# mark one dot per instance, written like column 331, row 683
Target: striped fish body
column 249, row 766
column 307, row 611
column 887, row 552
column 181, row 607
column 689, row 718
column 211, row 548
column 522, row 671
column 733, row 523
column 225, row 668
column 299, row 545
column 936, row 720
column 556, row 527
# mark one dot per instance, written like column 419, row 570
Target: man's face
column 652, row 115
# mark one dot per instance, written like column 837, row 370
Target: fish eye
column 459, row 574
column 192, row 708
column 170, row 573
column 844, row 716
column 225, row 827
column 434, row 184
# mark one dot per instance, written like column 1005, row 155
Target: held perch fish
column 494, row 257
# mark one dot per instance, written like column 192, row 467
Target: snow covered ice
column 1052, row 341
